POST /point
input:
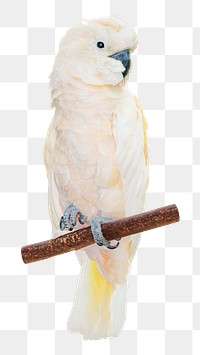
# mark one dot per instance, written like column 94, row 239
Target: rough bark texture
column 83, row 237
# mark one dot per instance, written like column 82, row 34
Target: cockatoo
column 96, row 156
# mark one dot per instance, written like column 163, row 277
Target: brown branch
column 83, row 237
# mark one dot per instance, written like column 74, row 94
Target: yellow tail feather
column 100, row 293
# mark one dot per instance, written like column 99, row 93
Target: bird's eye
column 100, row 44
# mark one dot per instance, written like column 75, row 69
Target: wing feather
column 131, row 158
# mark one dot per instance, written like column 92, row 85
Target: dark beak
column 124, row 57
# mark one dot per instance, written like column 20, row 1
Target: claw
column 97, row 232
column 62, row 224
column 82, row 219
column 113, row 246
column 69, row 218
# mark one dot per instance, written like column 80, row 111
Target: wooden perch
column 82, row 238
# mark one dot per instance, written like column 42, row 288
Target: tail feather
column 99, row 307
column 118, row 309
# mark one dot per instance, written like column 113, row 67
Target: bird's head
column 98, row 51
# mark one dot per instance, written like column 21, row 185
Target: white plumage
column 96, row 158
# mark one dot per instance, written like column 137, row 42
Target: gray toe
column 68, row 220
column 97, row 232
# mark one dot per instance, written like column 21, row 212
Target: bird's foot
column 97, row 232
column 70, row 217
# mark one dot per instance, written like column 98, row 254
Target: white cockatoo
column 96, row 158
